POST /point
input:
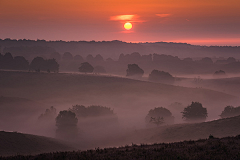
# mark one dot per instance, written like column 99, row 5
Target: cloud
column 122, row 17
column 128, row 18
column 163, row 15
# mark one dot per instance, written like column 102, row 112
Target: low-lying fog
column 130, row 101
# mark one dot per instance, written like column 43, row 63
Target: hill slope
column 212, row 148
column 180, row 132
column 13, row 143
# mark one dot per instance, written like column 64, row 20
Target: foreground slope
column 212, row 148
column 13, row 143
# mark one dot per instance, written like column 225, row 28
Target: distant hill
column 114, row 48
column 13, row 143
column 64, row 89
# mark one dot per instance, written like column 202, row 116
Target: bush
column 161, row 76
column 230, row 111
column 86, row 67
column 194, row 112
column 159, row 116
column 134, row 70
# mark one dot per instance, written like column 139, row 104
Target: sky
column 201, row 22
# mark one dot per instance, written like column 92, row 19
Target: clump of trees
column 230, row 111
column 194, row 113
column 66, row 123
column 134, row 70
column 103, row 114
column 86, row 68
column 159, row 116
column 39, row 64
column 161, row 76
column 7, row 61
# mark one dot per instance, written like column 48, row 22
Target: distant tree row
column 7, row 61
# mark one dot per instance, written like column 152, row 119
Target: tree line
column 7, row 61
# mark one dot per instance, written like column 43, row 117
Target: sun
column 128, row 26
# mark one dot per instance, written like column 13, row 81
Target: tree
column 86, row 67
column 66, row 123
column 38, row 63
column 161, row 76
column 159, row 116
column 52, row 65
column 20, row 63
column 230, row 111
column 134, row 70
column 194, row 112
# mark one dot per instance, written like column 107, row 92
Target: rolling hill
column 13, row 143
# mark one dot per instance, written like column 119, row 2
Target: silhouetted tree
column 66, row 123
column 7, row 61
column 134, row 70
column 159, row 116
column 194, row 112
column 20, row 63
column 230, row 111
column 86, row 67
column 52, row 65
column 161, row 76
column 38, row 63
column 206, row 60
column 99, row 69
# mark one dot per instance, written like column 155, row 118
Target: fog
column 27, row 95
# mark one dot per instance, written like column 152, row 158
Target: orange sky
column 204, row 22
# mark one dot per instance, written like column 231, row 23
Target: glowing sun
column 128, row 26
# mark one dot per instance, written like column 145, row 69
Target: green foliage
column 230, row 111
column 194, row 112
column 159, row 116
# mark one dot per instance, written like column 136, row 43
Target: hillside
column 180, row 132
column 63, row 90
column 13, row 143
column 212, row 148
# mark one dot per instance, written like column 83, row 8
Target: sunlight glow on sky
column 214, row 22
